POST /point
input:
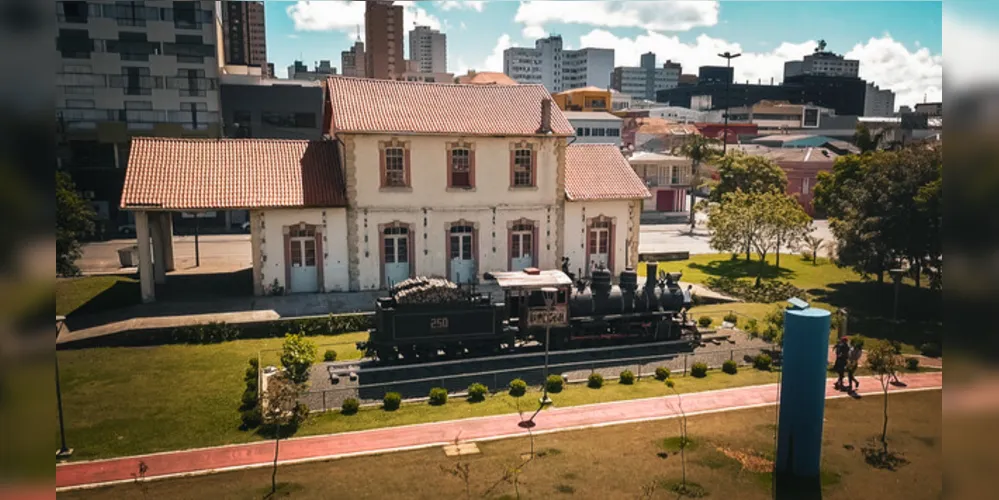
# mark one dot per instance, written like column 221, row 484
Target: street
column 229, row 252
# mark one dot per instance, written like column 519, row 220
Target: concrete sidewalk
column 261, row 454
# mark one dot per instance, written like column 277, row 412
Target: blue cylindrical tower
column 805, row 356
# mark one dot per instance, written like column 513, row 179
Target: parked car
column 126, row 229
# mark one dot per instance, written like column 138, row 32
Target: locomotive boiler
column 424, row 318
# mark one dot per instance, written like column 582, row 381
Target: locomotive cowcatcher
column 425, row 317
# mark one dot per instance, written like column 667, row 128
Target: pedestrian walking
column 854, row 361
column 842, row 351
column 688, row 300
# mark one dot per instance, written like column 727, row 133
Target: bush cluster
column 662, row 373
column 704, row 321
column 912, row 364
column 753, row 328
column 329, row 355
column 518, row 387
column 699, row 370
column 768, row 291
column 249, row 408
column 626, row 377
column 477, row 392
column 595, row 381
column 554, row 384
column 350, row 406
column 730, row 367
column 438, row 396
column 731, row 318
column 207, row 333
column 391, row 401
column 762, row 362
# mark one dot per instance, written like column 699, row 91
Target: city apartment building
column 878, row 102
column 595, row 127
column 557, row 69
column 413, row 73
column 383, row 34
column 822, row 63
column 352, row 60
column 583, row 99
column 131, row 69
column 322, row 70
column 428, row 49
column 245, row 39
column 645, row 80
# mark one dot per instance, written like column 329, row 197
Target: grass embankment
column 729, row 460
column 830, row 287
column 95, row 293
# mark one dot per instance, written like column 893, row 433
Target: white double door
column 397, row 258
column 462, row 254
column 304, row 273
column 522, row 249
column 599, row 248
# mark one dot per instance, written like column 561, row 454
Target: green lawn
column 829, row 287
column 730, row 454
column 95, row 293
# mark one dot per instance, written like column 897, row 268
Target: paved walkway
column 207, row 460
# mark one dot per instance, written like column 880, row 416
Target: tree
column 281, row 408
column 749, row 174
column 812, row 245
column 735, row 222
column 699, row 149
column 683, row 437
column 297, row 355
column 788, row 222
column 885, row 364
column 866, row 140
column 74, row 221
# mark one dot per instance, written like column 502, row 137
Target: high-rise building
column 557, row 69
column 822, row 63
column 383, row 34
column 125, row 71
column 644, row 81
column 844, row 95
column 428, row 49
column 322, row 70
column 244, row 40
column 352, row 60
column 878, row 102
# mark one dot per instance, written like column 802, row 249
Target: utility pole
column 728, row 94
column 64, row 452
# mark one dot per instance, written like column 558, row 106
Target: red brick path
column 432, row 434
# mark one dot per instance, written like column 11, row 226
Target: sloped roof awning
column 601, row 172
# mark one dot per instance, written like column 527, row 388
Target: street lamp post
column 896, row 277
column 63, row 452
column 549, row 294
column 728, row 94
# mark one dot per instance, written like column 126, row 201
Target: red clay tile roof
column 361, row 105
column 190, row 174
column 600, row 172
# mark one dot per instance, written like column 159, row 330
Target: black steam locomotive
column 424, row 318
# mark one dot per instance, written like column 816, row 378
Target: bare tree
column 512, row 474
column 885, row 364
column 683, row 437
column 460, row 470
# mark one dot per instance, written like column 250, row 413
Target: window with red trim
column 395, row 167
column 523, row 171
column 461, row 167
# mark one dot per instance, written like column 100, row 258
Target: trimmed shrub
column 438, row 396
column 626, row 377
column 251, row 418
column 662, row 373
column 753, row 328
column 595, row 381
column 329, row 355
column 699, row 370
column 930, row 350
column 518, row 387
column 207, row 333
column 554, row 384
column 477, row 392
column 806, row 256
column 912, row 364
column 762, row 362
column 350, row 406
column 391, row 401
column 254, row 362
column 731, row 318
column 249, row 398
column 730, row 367
column 704, row 321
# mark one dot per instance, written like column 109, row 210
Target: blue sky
column 899, row 43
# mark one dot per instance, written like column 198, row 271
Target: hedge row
column 215, row 332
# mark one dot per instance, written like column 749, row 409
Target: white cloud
column 967, row 42
column 326, row 16
column 462, row 5
column 532, row 32
column 913, row 76
column 347, row 16
column 883, row 61
column 657, row 16
column 495, row 60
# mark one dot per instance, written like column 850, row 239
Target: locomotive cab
column 535, row 299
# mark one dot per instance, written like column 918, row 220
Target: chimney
column 546, row 116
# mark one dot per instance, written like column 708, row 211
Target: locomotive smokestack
column 546, row 116
column 651, row 268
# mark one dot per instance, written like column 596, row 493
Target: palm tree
column 866, row 140
column 813, row 244
column 699, row 149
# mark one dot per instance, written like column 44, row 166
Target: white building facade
column 822, row 63
column 595, row 127
column 428, row 49
column 557, row 69
column 643, row 81
column 878, row 102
